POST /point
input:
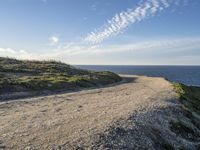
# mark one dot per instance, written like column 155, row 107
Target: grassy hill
column 23, row 75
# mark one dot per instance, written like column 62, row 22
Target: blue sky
column 126, row 32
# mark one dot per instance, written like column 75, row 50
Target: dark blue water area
column 189, row 75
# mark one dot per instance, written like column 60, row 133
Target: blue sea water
column 189, row 75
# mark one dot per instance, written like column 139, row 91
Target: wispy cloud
column 21, row 54
column 53, row 40
column 155, row 46
column 123, row 19
column 70, row 50
column 94, row 6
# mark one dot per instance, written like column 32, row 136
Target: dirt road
column 86, row 119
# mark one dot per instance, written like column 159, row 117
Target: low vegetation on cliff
column 23, row 75
column 189, row 96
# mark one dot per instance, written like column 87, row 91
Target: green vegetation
column 162, row 143
column 17, row 75
column 188, row 126
column 189, row 96
column 185, row 130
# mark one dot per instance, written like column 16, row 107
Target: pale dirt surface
column 115, row 117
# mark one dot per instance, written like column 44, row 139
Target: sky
column 102, row 32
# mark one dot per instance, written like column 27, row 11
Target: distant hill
column 24, row 75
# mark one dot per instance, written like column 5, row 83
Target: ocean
column 189, row 75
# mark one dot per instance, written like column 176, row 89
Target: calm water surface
column 189, row 75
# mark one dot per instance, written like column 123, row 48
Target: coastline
column 188, row 75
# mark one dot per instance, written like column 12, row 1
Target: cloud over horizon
column 167, row 46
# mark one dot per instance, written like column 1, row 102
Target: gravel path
column 125, row 116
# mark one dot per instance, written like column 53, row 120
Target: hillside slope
column 26, row 76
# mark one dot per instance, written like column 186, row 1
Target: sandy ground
column 90, row 119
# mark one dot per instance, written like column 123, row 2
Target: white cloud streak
column 53, row 40
column 125, row 18
column 156, row 46
column 20, row 54
column 161, row 46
